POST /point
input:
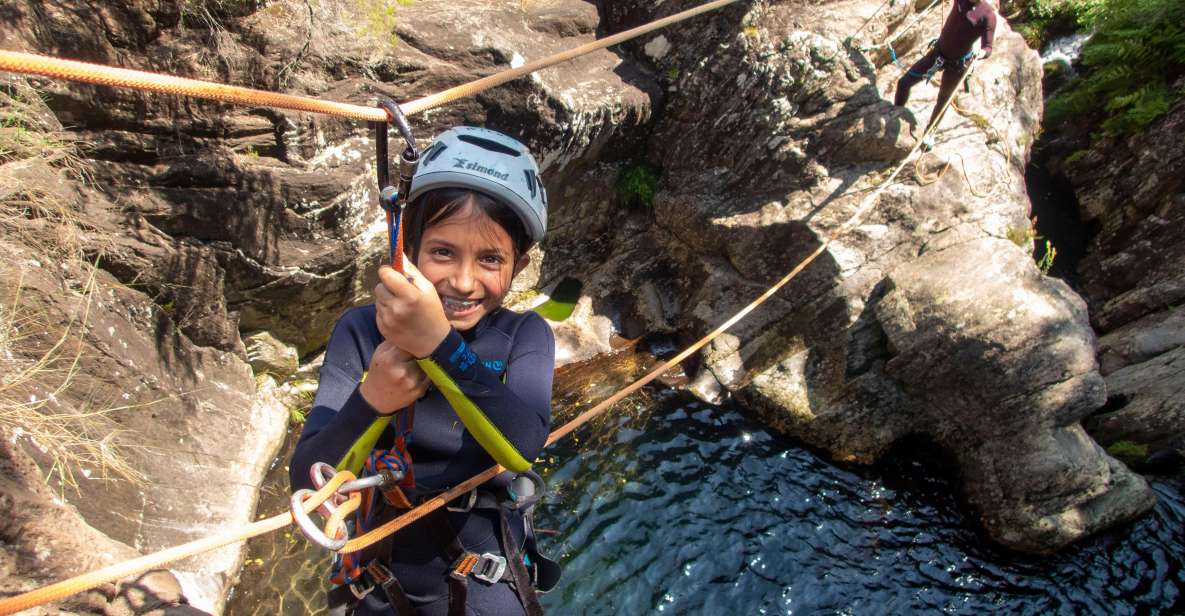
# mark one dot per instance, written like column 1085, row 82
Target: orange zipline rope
column 71, row 70
column 90, row 580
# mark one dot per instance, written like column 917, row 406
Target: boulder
column 270, row 356
column 1002, row 360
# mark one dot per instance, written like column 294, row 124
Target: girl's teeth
column 458, row 304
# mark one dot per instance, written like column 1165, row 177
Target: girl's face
column 470, row 260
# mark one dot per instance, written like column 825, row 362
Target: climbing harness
column 889, row 43
column 342, row 488
column 527, row 570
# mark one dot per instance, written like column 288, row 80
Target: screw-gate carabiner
column 393, row 198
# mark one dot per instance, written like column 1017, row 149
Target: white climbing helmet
column 489, row 162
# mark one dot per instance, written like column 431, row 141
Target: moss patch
column 1128, row 450
column 563, row 300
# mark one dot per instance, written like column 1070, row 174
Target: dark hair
column 436, row 206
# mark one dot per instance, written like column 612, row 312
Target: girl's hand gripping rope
column 408, row 311
column 393, row 380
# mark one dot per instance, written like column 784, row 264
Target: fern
column 1137, row 52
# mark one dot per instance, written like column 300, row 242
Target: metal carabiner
column 393, row 198
column 320, row 473
column 358, row 485
column 523, row 496
column 309, row 528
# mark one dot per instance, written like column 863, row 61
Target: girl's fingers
column 396, row 283
column 418, row 279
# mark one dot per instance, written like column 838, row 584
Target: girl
column 437, row 346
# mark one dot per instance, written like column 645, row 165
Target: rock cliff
column 1133, row 276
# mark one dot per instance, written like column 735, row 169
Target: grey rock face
column 213, row 220
column 1002, row 360
column 1134, row 278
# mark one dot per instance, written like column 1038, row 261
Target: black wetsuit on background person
column 967, row 22
column 504, row 365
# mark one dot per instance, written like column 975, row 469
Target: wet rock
column 210, row 219
column 1146, row 403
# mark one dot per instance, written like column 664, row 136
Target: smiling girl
column 437, row 345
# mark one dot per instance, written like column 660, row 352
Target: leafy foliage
column 1134, row 58
column 1038, row 20
column 637, row 185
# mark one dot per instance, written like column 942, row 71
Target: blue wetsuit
column 504, row 366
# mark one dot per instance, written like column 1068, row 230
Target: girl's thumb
column 416, row 278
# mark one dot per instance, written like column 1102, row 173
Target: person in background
column 969, row 20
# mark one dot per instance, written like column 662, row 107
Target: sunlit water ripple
column 705, row 512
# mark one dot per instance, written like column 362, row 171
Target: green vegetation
column 636, row 185
column 1045, row 263
column 1128, row 450
column 1021, row 236
column 1042, row 18
column 306, row 392
column 1076, row 156
column 563, row 300
column 1136, row 56
column 376, row 18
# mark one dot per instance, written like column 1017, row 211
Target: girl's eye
column 493, row 259
column 441, row 252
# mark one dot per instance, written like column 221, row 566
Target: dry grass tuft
column 43, row 402
column 39, row 162
column 37, row 382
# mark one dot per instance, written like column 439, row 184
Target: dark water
column 693, row 509
column 703, row 512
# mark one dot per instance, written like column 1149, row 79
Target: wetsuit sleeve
column 989, row 32
column 509, row 420
column 340, row 417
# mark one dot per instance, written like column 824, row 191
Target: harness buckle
column 360, row 594
column 469, row 500
column 490, row 568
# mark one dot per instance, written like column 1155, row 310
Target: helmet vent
column 437, row 149
column 487, row 144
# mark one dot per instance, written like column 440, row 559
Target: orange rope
column 56, row 68
column 118, row 571
column 72, row 70
column 468, row 89
column 87, row 72
column 379, row 533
